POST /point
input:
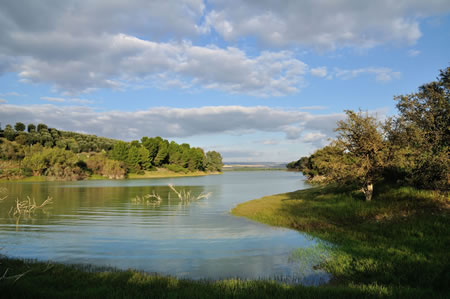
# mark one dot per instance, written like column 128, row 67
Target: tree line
column 42, row 151
column 411, row 148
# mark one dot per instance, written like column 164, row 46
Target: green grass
column 401, row 239
column 43, row 280
column 27, row 179
column 162, row 173
column 165, row 173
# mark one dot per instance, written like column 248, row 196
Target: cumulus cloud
column 173, row 122
column 118, row 61
column 322, row 24
column 81, row 47
column 381, row 73
column 3, row 101
column 319, row 71
column 78, row 47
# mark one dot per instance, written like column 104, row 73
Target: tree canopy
column 411, row 148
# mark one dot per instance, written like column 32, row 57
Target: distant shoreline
column 159, row 174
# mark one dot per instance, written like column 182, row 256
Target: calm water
column 96, row 222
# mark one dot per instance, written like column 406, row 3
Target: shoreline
column 22, row 278
column 133, row 176
column 397, row 241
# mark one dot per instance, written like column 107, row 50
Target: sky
column 254, row 80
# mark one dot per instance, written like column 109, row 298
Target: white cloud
column 64, row 100
column 3, row 101
column 310, row 137
column 174, row 122
column 53, row 99
column 381, row 73
column 322, row 24
column 319, row 71
column 78, row 47
column 313, row 108
column 127, row 61
column 413, row 53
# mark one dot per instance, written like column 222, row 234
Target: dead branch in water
column 28, row 207
column 184, row 195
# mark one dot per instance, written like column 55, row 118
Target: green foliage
column 213, row 161
column 163, row 153
column 120, row 151
column 420, row 136
column 9, row 133
column 19, row 127
column 41, row 127
column 99, row 164
column 411, row 148
column 31, row 128
column 134, row 157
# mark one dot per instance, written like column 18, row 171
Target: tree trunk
column 368, row 191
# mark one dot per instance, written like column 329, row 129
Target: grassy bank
column 165, row 173
column 159, row 174
column 399, row 240
column 44, row 280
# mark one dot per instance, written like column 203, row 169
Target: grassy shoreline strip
column 399, row 240
column 53, row 280
column 131, row 176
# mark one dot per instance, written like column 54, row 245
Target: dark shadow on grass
column 401, row 238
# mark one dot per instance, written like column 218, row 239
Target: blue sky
column 254, row 80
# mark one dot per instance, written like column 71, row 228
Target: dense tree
column 9, row 133
column 44, row 150
column 163, row 153
column 420, row 135
column 31, row 128
column 410, row 148
column 19, row 127
column 213, row 161
column 133, row 159
column 41, row 127
column 120, row 151
column 357, row 156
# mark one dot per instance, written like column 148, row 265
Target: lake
column 97, row 222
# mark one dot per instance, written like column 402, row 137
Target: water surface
column 96, row 222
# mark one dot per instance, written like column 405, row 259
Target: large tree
column 358, row 155
column 19, row 127
column 420, row 135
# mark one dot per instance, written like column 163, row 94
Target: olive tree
column 357, row 156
